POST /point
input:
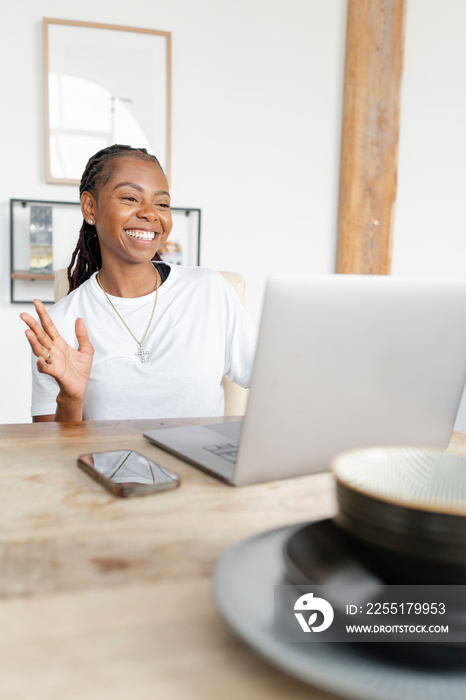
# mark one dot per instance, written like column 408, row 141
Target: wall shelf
column 20, row 275
column 66, row 220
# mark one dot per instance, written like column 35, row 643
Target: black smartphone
column 128, row 473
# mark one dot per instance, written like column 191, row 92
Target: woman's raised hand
column 71, row 368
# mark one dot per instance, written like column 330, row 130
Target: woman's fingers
column 44, row 366
column 40, row 340
column 46, row 321
column 42, row 337
column 82, row 337
column 48, row 359
column 37, row 347
column 44, row 356
column 32, row 323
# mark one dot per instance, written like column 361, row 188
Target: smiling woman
column 124, row 193
column 136, row 337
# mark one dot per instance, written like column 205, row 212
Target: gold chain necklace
column 142, row 353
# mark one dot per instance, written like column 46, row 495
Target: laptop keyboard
column 228, row 451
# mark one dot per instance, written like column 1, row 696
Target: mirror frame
column 125, row 39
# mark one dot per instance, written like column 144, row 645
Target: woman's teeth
column 143, row 235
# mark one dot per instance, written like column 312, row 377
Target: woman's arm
column 70, row 368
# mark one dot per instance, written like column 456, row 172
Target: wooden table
column 110, row 598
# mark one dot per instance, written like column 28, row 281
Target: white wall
column 430, row 230
column 257, row 89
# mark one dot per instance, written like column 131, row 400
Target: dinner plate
column 322, row 553
column 243, row 589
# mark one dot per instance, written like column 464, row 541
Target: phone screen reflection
column 126, row 472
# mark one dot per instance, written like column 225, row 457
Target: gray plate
column 243, row 588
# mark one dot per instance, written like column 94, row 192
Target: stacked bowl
column 404, row 509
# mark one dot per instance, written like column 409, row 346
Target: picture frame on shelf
column 31, row 277
column 183, row 246
column 95, row 93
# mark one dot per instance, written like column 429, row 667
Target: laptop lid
column 348, row 361
column 342, row 361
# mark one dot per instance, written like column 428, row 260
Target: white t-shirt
column 199, row 333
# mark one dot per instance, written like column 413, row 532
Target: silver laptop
column 342, row 361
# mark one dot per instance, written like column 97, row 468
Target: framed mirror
column 103, row 84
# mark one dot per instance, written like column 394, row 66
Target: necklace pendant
column 142, row 353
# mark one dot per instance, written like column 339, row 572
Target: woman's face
column 131, row 212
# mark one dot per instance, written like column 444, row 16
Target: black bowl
column 406, row 510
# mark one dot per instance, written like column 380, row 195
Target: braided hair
column 98, row 171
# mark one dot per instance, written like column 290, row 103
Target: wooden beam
column 368, row 168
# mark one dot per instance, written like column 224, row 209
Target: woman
column 136, row 337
